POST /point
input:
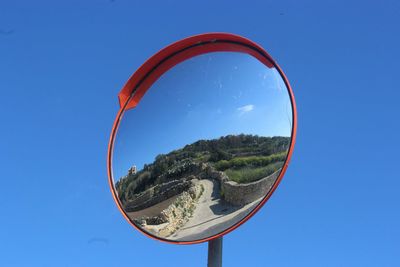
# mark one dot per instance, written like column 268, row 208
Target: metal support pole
column 215, row 252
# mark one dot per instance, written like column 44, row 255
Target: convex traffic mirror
column 203, row 137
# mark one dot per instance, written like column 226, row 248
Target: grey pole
column 215, row 252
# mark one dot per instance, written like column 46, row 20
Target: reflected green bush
column 252, row 161
column 248, row 174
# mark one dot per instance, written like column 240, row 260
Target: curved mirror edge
column 202, row 185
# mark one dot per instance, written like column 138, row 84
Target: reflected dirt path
column 212, row 215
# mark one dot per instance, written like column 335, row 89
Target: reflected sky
column 205, row 97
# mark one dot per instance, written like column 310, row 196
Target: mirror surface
column 203, row 147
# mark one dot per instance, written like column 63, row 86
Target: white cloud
column 245, row 109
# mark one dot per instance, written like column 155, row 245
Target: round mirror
column 202, row 139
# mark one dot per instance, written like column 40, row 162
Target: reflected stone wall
column 241, row 194
column 157, row 194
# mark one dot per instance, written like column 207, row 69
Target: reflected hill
column 208, row 180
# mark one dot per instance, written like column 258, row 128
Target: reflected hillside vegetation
column 243, row 158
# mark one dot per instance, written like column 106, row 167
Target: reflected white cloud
column 245, row 109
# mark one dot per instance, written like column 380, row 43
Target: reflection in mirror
column 203, row 147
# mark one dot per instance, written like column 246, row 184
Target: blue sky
column 206, row 97
column 62, row 65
